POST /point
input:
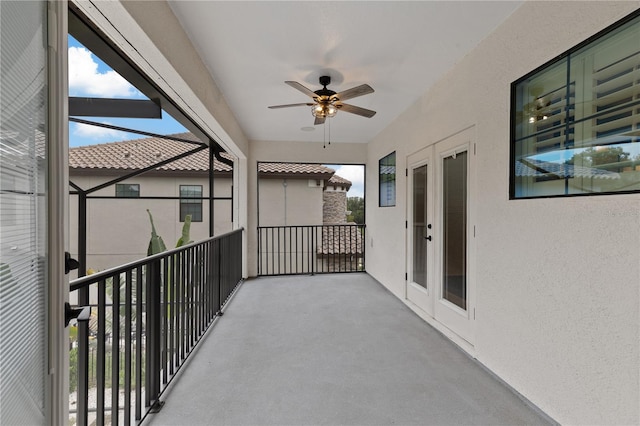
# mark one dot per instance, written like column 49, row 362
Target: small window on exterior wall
column 191, row 202
column 127, row 190
column 575, row 122
column 387, row 179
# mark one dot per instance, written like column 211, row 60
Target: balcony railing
column 311, row 249
column 147, row 317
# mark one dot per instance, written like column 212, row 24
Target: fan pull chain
column 324, row 135
column 324, row 128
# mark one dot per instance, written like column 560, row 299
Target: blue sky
column 353, row 173
column 90, row 77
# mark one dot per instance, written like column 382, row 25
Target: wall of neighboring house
column 118, row 229
column 557, row 281
column 290, row 201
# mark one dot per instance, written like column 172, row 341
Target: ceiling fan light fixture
column 324, row 110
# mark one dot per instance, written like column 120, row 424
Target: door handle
column 81, row 314
column 428, row 238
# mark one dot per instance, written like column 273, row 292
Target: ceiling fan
column 327, row 103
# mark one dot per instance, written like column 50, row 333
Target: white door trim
column 57, row 391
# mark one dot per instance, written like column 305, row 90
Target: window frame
column 127, row 194
column 513, row 109
column 392, row 203
column 190, row 201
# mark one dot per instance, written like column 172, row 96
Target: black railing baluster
column 217, row 261
column 83, row 365
column 100, row 361
column 139, row 346
column 128, row 291
column 172, row 313
column 193, row 285
column 160, row 307
column 115, row 347
column 199, row 297
column 188, row 288
column 154, row 323
column 182, row 306
column 311, row 249
column 164, row 307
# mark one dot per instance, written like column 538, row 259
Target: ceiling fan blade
column 302, row 88
column 363, row 89
column 356, row 110
column 319, row 120
column 290, row 105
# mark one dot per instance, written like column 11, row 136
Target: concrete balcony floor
column 332, row 350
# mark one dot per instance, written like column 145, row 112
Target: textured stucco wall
column 557, row 280
column 289, row 202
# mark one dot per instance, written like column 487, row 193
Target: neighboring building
column 118, row 228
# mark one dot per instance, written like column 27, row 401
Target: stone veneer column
column 334, row 209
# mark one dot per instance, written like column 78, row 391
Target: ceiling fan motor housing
column 325, row 80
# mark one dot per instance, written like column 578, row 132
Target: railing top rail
column 326, row 225
column 87, row 280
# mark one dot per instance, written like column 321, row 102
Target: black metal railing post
column 164, row 304
column 218, row 263
column 153, row 331
column 315, row 249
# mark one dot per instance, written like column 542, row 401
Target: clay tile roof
column 341, row 239
column 537, row 168
column 339, row 180
column 140, row 153
column 290, row 169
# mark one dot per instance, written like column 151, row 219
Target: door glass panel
column 420, row 225
column 454, row 193
column 23, row 96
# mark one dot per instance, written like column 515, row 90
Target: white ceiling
column 398, row 48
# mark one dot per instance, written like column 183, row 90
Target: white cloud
column 86, row 80
column 97, row 133
column 356, row 175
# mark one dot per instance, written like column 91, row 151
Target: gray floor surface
column 332, row 350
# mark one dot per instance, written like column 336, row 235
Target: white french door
column 33, row 369
column 420, row 267
column 440, row 233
